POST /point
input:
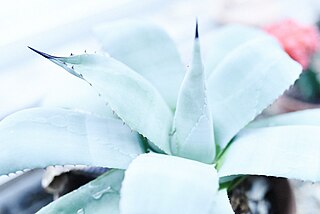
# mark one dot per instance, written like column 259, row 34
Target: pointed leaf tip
column 42, row 53
column 193, row 137
column 197, row 33
column 106, row 69
column 61, row 61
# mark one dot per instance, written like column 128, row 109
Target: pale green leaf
column 305, row 117
column 148, row 50
column 160, row 184
column 192, row 136
column 50, row 136
column 99, row 196
column 222, row 203
column 284, row 151
column 245, row 82
column 225, row 40
column 74, row 93
column 131, row 96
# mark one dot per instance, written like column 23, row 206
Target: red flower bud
column 299, row 41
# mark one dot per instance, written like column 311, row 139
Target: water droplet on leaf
column 100, row 193
column 80, row 211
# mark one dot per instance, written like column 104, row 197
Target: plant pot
column 261, row 194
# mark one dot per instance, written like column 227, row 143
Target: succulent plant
column 193, row 125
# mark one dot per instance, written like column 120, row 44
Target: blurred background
column 63, row 27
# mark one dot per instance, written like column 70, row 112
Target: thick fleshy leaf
column 74, row 93
column 305, row 117
column 285, row 151
column 131, row 96
column 148, row 50
column 50, row 136
column 192, row 136
column 99, row 196
column 225, row 40
column 248, row 80
column 156, row 183
column 222, row 203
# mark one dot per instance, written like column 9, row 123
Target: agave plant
column 193, row 125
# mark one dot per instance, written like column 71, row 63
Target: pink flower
column 299, row 41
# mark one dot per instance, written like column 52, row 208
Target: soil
column 63, row 181
column 262, row 195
